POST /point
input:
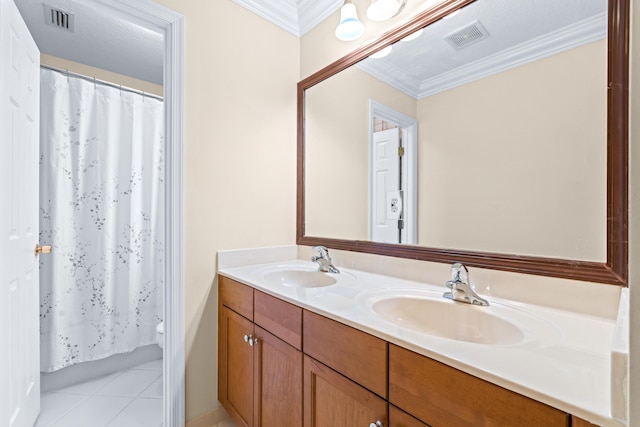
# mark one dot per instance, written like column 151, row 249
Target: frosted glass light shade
column 350, row 27
column 382, row 53
column 381, row 10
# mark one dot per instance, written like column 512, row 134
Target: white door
column 386, row 205
column 19, row 281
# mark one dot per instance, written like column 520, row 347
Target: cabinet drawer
column 282, row 319
column 353, row 353
column 236, row 296
column 443, row 396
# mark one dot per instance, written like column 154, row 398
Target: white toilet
column 160, row 334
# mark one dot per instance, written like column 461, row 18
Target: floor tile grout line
column 149, row 386
column 117, row 374
column 80, row 402
column 121, row 411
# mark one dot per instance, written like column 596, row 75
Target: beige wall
column 336, row 165
column 101, row 74
column 240, row 149
column 524, row 152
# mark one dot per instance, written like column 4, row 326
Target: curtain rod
column 102, row 82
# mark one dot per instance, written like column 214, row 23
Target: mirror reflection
column 486, row 131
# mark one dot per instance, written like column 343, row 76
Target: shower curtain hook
column 67, row 71
column 120, row 90
column 94, row 82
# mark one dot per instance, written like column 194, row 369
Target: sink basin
column 448, row 319
column 429, row 313
column 300, row 278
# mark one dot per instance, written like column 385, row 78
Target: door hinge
column 400, row 151
column 400, row 224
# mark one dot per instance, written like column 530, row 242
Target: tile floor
column 226, row 423
column 129, row 398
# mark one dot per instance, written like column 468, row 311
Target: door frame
column 409, row 129
column 172, row 24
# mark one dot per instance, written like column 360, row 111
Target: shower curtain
column 102, row 211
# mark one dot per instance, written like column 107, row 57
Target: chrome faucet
column 461, row 288
column 324, row 260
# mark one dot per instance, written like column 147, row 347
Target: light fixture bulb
column 350, row 27
column 413, row 35
column 382, row 52
column 381, row 10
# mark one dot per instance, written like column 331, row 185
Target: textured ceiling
column 110, row 42
column 135, row 49
column 517, row 32
column 99, row 39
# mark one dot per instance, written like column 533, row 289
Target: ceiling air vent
column 470, row 34
column 59, row 18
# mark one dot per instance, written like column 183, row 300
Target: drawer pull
column 251, row 340
column 376, row 424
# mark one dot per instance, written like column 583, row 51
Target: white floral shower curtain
column 101, row 203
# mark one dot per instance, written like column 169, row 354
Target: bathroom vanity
column 298, row 347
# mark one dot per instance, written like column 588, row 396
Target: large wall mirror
column 489, row 132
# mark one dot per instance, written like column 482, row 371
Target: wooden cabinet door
column 235, row 370
column 278, row 385
column 398, row 418
column 331, row 400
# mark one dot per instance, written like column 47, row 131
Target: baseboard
column 209, row 419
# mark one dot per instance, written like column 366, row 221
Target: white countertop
column 564, row 362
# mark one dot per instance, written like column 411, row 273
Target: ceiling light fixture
column 350, row 27
column 381, row 10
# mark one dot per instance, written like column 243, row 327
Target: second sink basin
column 427, row 312
column 448, row 319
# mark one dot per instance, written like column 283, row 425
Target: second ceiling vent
column 470, row 34
column 59, row 18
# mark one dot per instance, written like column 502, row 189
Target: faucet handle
column 459, row 273
column 323, row 252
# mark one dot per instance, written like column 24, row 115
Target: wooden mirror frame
column 613, row 271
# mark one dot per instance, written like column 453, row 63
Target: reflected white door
column 19, row 293
column 386, row 203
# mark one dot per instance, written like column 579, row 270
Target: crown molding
column 313, row 12
column 295, row 16
column 283, row 13
column 571, row 36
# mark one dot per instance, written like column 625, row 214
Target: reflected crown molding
column 295, row 16
column 571, row 36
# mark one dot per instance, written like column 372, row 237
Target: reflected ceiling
column 494, row 35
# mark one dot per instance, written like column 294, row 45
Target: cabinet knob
column 251, row 340
column 376, row 424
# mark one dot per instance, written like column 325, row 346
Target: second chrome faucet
column 324, row 260
column 461, row 288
